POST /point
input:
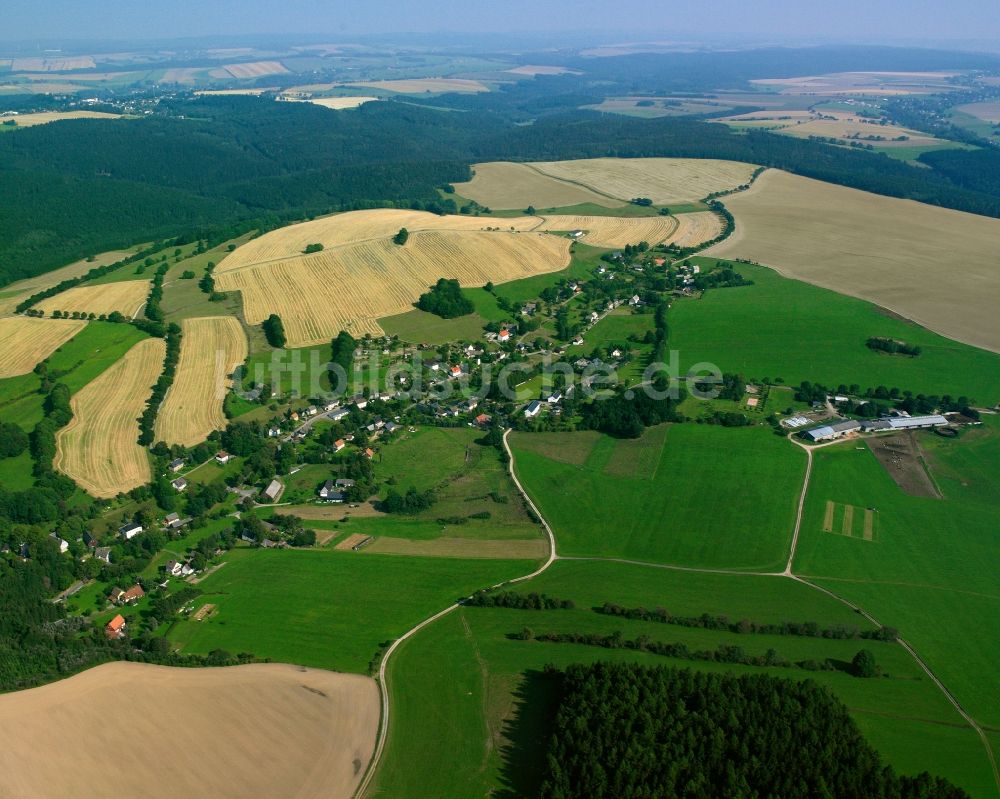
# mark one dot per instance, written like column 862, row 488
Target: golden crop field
column 12, row 294
column 191, row 723
column 354, row 227
column 98, row 448
column 663, row 180
column 352, row 286
column 211, row 349
column 52, row 64
column 932, row 265
column 126, row 297
column 341, row 103
column 255, row 69
column 862, row 83
column 45, row 117
column 25, row 341
column 848, row 126
column 421, row 85
column 505, row 185
column 615, row 231
column 697, row 228
column 235, row 92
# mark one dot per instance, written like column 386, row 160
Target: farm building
column 337, row 415
column 273, row 490
column 344, row 482
column 532, row 409
column 134, row 594
column 916, row 422
column 330, row 493
column 173, row 520
column 833, row 431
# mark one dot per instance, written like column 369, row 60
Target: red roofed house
column 503, row 336
column 369, row 453
column 116, row 627
column 134, row 594
column 483, row 419
column 339, row 444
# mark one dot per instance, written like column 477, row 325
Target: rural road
column 383, row 685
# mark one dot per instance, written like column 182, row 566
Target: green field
column 421, row 327
column 784, row 328
column 489, row 700
column 688, row 495
column 931, row 568
column 326, row 609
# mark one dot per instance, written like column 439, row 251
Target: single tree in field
column 401, row 237
column 864, row 664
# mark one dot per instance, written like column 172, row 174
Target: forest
column 679, row 733
column 201, row 164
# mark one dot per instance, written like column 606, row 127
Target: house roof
column 135, row 592
column 116, row 623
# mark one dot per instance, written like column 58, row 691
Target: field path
column 383, row 683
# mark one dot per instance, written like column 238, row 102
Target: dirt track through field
column 132, row 729
column 98, row 448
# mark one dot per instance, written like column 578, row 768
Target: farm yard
column 662, row 180
column 126, row 297
column 98, row 448
column 932, row 265
column 351, row 287
column 211, row 349
column 188, row 720
column 25, row 341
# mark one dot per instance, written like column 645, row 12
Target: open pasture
column 929, row 570
column 932, row 265
column 126, row 297
column 267, row 602
column 615, row 231
column 350, row 288
column 211, row 349
column 506, row 185
column 663, row 180
column 423, row 85
column 707, row 496
column 492, row 703
column 188, row 720
column 789, row 329
column 256, row 69
column 98, row 448
column 45, row 117
column 26, row 340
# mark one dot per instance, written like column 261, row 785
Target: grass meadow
column 327, row 609
column 688, row 495
column 785, row 328
column 490, row 700
column 931, row 568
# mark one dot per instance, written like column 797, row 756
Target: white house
column 63, row 545
column 222, row 458
column 532, row 409
column 130, row 530
column 179, row 484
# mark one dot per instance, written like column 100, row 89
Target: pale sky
column 843, row 20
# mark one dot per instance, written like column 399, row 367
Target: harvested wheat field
column 256, row 69
column 45, row 117
column 355, row 227
column 421, row 85
column 615, row 231
column 133, row 729
column 12, row 294
column 98, row 448
column 236, row 92
column 697, row 228
column 52, row 64
column 933, row 265
column 663, row 180
column 986, row 111
column 350, row 287
column 211, row 349
column 25, row 341
column 126, row 297
column 504, row 185
column 341, row 103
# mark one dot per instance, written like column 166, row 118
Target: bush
column 274, row 331
column 445, row 299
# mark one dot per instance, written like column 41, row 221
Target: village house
column 179, row 484
column 63, row 545
column 339, row 414
column 273, row 432
column 103, row 553
column 172, row 568
column 360, row 403
column 130, row 530
column 273, row 490
column 391, row 427
column 133, row 595
column 176, row 465
column 115, row 595
column 532, row 409
column 116, row 627
column 483, row 419
column 312, row 410
column 503, row 336
column 369, row 453
column 339, row 444
column 172, row 521
column 222, row 458
column 90, row 540
column 329, row 493
column 455, row 371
